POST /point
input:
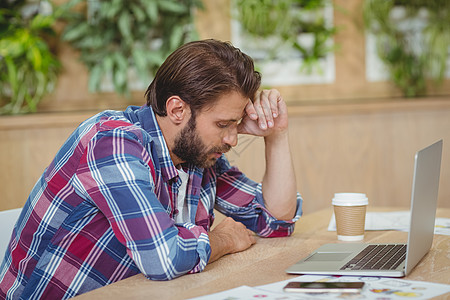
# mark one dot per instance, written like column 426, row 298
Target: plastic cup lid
column 350, row 199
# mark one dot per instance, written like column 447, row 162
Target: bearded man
column 135, row 191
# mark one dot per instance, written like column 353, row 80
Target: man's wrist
column 218, row 243
column 277, row 137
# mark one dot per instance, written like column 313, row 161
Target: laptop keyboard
column 378, row 257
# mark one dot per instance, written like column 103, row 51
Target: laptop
column 388, row 260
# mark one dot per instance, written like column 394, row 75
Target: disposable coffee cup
column 350, row 214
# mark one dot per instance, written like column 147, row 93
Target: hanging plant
column 117, row 36
column 298, row 25
column 412, row 38
column 28, row 67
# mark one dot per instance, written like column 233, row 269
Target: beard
column 190, row 148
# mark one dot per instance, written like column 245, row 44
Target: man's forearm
column 267, row 116
column 279, row 184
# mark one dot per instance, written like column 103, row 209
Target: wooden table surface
column 266, row 262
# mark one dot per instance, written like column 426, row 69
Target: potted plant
column 412, row 38
column 284, row 27
column 28, row 66
column 117, row 39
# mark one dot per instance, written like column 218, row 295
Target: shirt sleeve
column 118, row 175
column 241, row 198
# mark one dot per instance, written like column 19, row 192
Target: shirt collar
column 147, row 119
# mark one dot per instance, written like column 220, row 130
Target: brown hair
column 199, row 73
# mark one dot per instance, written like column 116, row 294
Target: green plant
column 116, row 36
column 28, row 68
column 413, row 38
column 284, row 21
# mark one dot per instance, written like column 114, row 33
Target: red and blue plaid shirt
column 103, row 211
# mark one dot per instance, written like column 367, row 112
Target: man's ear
column 177, row 110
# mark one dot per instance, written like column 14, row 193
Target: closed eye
column 226, row 124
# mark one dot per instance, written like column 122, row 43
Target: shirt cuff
column 275, row 227
column 203, row 246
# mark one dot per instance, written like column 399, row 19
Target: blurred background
column 367, row 82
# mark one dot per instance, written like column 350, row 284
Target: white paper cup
column 350, row 214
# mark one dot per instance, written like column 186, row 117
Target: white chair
column 8, row 219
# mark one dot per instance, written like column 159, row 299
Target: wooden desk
column 266, row 261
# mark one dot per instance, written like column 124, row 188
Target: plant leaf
column 172, row 6
column 41, row 22
column 138, row 13
column 95, row 75
column 124, row 24
column 76, row 32
column 176, row 37
column 151, row 8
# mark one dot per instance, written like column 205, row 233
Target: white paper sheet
column 245, row 292
column 397, row 220
column 375, row 288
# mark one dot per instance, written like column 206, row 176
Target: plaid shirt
column 104, row 210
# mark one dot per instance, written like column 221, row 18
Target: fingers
column 264, row 108
column 274, row 97
column 251, row 236
column 239, row 237
column 250, row 110
column 244, row 237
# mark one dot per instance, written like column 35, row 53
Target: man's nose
column 231, row 137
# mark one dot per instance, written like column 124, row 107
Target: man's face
column 212, row 132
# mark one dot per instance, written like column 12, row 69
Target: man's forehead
column 230, row 118
column 229, row 107
column 229, row 112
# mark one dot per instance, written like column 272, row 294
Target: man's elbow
column 160, row 277
column 171, row 268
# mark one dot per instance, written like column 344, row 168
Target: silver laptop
column 390, row 260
